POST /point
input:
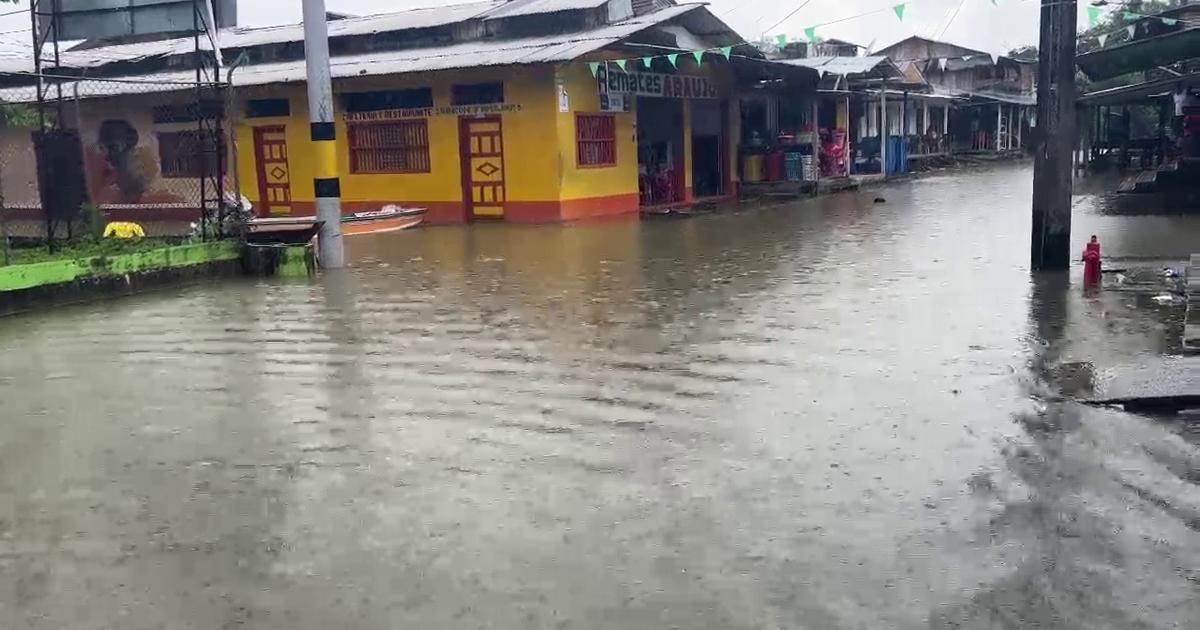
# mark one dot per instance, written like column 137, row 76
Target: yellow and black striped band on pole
column 324, row 141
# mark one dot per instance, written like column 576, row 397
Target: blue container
column 792, row 168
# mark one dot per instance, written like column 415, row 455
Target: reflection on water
column 827, row 414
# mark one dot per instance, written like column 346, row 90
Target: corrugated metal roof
column 411, row 19
column 1015, row 99
column 846, row 65
column 472, row 54
column 538, row 7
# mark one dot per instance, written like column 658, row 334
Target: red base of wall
column 455, row 213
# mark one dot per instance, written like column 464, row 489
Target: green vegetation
column 86, row 248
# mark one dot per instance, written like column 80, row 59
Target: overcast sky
column 974, row 23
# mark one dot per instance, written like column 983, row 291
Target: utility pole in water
column 330, row 249
column 1051, row 242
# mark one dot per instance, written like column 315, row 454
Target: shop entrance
column 660, row 150
column 271, row 166
column 481, row 146
column 708, row 148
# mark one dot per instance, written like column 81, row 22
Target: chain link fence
column 97, row 151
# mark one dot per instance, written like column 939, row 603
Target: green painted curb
column 19, row 277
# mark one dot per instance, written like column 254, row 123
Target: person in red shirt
column 1091, row 262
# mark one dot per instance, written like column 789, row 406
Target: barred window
column 400, row 146
column 190, row 153
column 595, row 140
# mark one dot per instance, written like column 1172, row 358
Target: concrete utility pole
column 330, row 249
column 1051, row 238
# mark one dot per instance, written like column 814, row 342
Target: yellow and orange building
column 529, row 111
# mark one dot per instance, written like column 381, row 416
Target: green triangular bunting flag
column 782, row 40
column 811, row 34
column 1170, row 21
column 727, row 51
column 648, row 62
column 1132, row 17
column 674, row 59
column 899, row 11
column 699, row 55
column 621, row 64
column 594, row 66
column 1094, row 15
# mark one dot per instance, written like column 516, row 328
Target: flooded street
column 825, row 414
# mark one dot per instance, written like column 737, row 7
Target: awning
column 853, row 67
column 1001, row 97
column 1138, row 92
column 1141, row 54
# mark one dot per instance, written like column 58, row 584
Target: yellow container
column 752, row 168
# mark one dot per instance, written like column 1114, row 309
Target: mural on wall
column 121, row 169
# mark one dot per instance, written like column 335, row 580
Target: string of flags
column 1095, row 14
column 673, row 58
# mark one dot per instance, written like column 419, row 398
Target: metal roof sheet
column 412, row 19
column 471, row 54
column 537, row 7
column 1141, row 54
column 846, row 65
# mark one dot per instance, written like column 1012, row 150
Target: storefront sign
column 426, row 112
column 564, row 98
column 616, row 102
column 613, row 81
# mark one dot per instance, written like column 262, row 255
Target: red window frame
column 389, row 146
column 595, row 140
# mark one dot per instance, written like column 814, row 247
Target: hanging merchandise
column 899, row 11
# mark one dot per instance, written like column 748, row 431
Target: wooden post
column 1020, row 123
column 999, row 119
column 1051, row 233
column 883, row 129
column 1008, row 141
column 816, row 142
column 946, row 127
column 849, row 142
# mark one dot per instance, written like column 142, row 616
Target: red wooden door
column 274, row 177
column 481, row 147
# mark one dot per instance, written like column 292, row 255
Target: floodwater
column 826, row 414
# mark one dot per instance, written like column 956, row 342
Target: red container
column 775, row 166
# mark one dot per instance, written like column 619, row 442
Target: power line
column 953, row 17
column 788, row 16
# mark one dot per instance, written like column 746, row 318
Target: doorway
column 708, row 148
column 660, row 150
column 274, row 176
column 481, row 151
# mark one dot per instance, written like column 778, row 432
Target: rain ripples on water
column 829, row 413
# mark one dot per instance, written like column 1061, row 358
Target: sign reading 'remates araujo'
column 613, row 81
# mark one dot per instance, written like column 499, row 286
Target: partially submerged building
column 995, row 103
column 520, row 110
